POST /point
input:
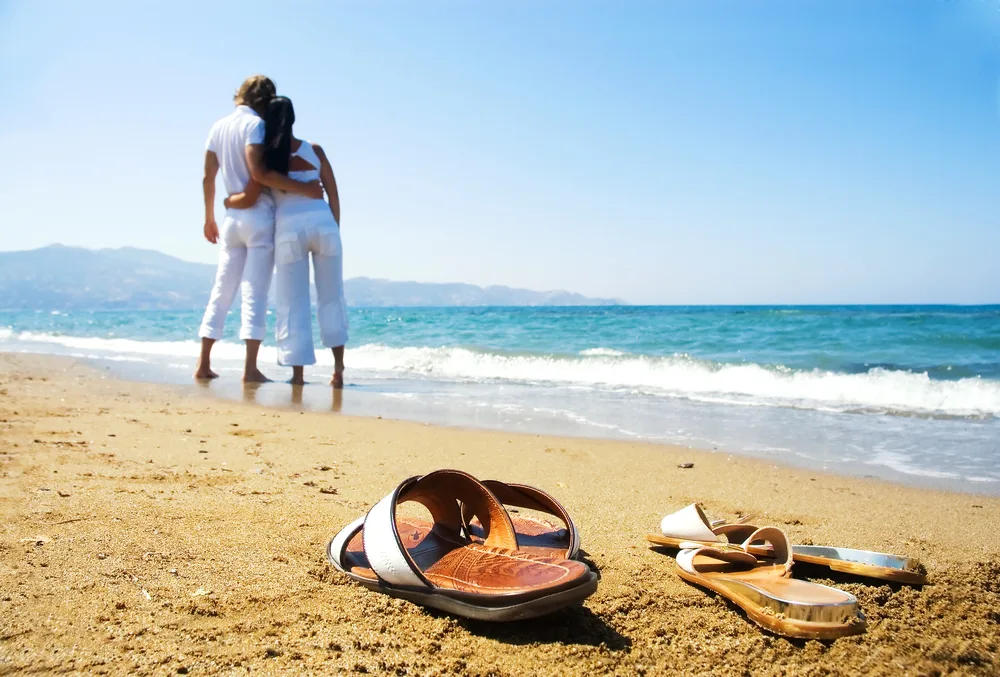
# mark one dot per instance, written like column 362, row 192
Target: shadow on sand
column 576, row 625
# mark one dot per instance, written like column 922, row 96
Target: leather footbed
column 471, row 571
column 533, row 534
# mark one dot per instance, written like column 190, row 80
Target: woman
column 303, row 226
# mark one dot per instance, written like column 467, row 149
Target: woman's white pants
column 246, row 258
column 294, row 243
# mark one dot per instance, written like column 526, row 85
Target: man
column 236, row 146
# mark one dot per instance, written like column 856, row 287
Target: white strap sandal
column 691, row 524
column 761, row 586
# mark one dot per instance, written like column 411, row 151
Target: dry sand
column 151, row 530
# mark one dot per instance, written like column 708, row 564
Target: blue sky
column 660, row 152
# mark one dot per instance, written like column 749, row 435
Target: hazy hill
column 67, row 278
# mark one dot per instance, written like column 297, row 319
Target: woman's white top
column 292, row 208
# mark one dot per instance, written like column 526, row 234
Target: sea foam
column 878, row 390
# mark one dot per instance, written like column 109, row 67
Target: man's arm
column 211, row 229
column 329, row 182
column 272, row 179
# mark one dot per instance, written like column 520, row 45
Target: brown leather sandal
column 437, row 565
column 533, row 535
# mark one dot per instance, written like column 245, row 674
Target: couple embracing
column 275, row 215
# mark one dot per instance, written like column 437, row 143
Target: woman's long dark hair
column 278, row 134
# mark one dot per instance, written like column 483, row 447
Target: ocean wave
column 601, row 352
column 878, row 390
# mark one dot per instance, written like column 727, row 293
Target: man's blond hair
column 255, row 91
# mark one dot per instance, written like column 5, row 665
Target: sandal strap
column 338, row 544
column 440, row 492
column 690, row 524
column 532, row 498
column 739, row 553
column 778, row 541
column 685, row 558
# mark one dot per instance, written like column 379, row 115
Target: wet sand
column 149, row 530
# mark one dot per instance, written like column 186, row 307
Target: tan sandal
column 693, row 526
column 437, row 565
column 533, row 534
column 762, row 588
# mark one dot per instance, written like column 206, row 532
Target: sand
column 148, row 529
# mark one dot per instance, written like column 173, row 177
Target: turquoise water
column 900, row 390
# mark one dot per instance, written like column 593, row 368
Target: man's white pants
column 294, row 243
column 246, row 258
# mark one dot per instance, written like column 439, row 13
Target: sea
column 905, row 393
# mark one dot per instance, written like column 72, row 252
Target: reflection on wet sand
column 307, row 397
column 250, row 392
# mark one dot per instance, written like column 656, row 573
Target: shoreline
column 160, row 556
column 419, row 402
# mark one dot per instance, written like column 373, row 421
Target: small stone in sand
column 685, row 465
column 328, row 490
column 37, row 540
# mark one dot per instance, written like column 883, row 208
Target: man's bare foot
column 255, row 376
column 204, row 374
column 338, row 379
column 297, row 380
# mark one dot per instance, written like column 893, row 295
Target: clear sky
column 660, row 152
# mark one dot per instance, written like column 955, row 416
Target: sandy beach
column 149, row 529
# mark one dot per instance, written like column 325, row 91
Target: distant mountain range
column 72, row 278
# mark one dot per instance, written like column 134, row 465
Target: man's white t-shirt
column 228, row 139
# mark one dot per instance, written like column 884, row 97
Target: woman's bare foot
column 338, row 367
column 298, row 376
column 205, row 374
column 255, row 376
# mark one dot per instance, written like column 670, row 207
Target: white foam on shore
column 875, row 391
column 747, row 384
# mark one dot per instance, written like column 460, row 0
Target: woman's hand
column 246, row 199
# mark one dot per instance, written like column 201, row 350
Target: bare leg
column 331, row 310
column 204, row 368
column 338, row 367
column 251, row 374
column 298, row 376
